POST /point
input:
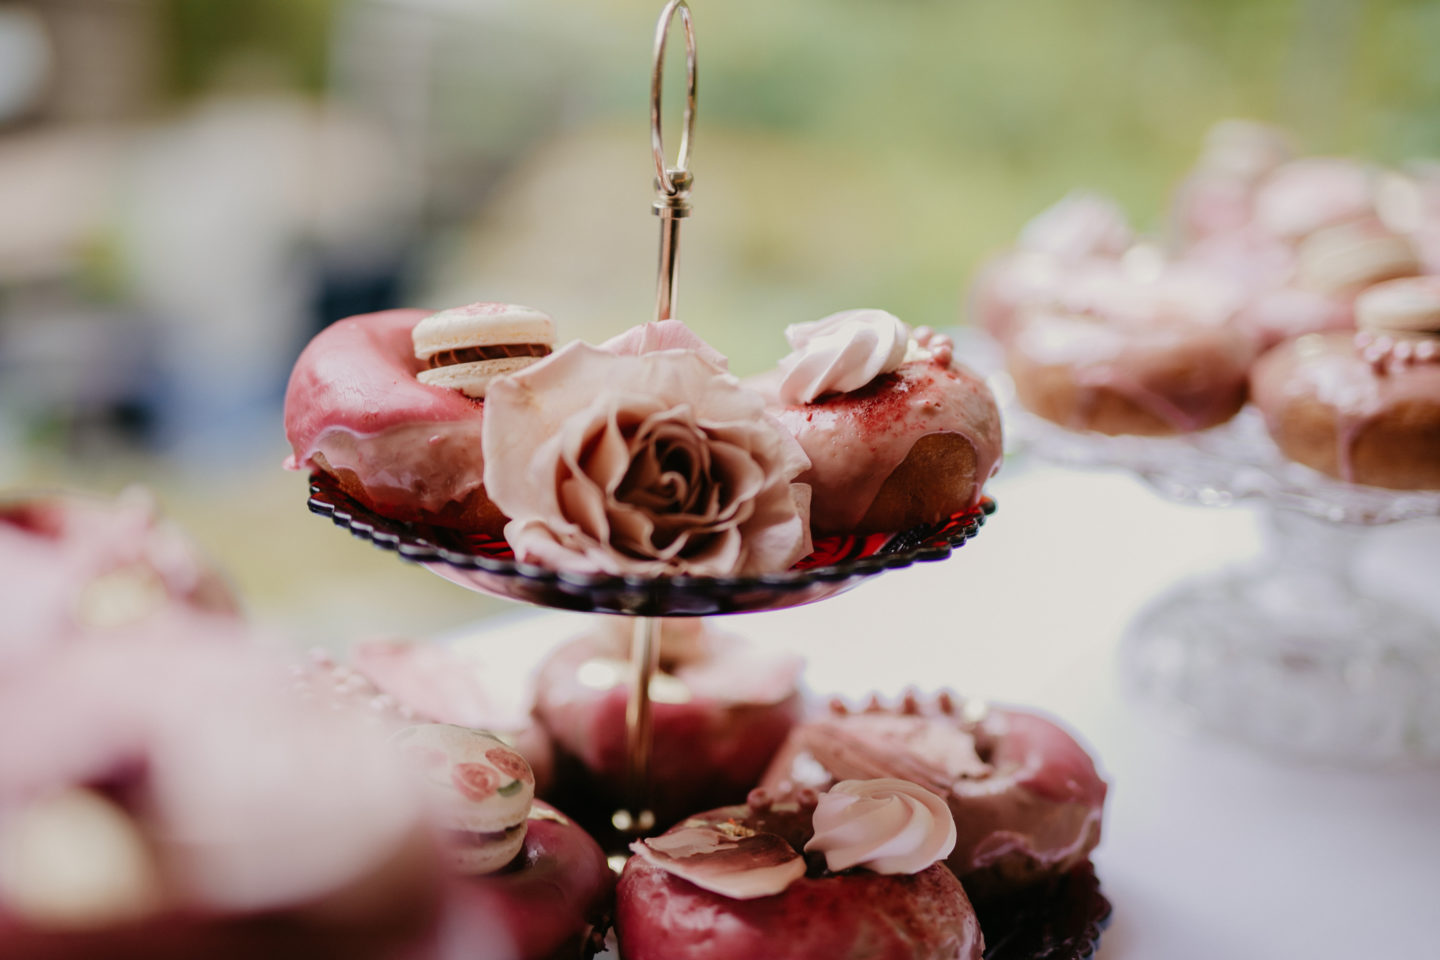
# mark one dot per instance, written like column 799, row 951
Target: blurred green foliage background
column 848, row 153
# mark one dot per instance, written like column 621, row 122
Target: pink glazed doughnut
column 1026, row 798
column 1363, row 407
column 184, row 803
column 898, row 434
column 355, row 410
column 78, row 566
column 721, row 710
column 736, row 884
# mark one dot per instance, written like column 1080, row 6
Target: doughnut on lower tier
column 407, row 450
column 1329, row 407
column 721, row 709
column 552, row 903
column 1025, row 796
column 1147, row 380
column 909, row 448
column 821, row 916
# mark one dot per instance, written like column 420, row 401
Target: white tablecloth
column 1211, row 850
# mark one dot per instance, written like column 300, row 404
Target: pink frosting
column 1080, row 225
column 856, row 440
column 248, row 800
column 1288, row 312
column 840, row 353
column 1305, row 195
column 1021, row 789
column 75, row 566
column 1332, row 370
column 353, row 399
column 1140, row 362
column 886, row 826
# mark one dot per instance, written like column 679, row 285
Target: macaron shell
column 475, row 782
column 487, row 858
column 1410, row 305
column 481, row 325
column 472, row 379
column 1344, row 257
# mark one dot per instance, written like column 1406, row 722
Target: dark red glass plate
column 1063, row 922
column 489, row 566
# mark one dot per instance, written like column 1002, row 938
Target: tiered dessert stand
column 1291, row 652
column 1065, row 925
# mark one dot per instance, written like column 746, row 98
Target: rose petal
column 664, row 335
column 741, row 868
column 705, row 471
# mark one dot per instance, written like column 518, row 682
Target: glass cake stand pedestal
column 1289, row 652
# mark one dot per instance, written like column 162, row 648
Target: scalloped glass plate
column 1062, row 923
column 489, row 566
column 1234, row 461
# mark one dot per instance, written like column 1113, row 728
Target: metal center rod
column 640, row 726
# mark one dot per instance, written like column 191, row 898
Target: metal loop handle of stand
column 666, row 176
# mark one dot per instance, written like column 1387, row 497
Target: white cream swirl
column 840, row 353
column 886, row 826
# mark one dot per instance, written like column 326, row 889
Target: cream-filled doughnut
column 800, row 875
column 1363, row 407
column 1025, row 796
column 898, row 434
column 357, row 408
column 721, row 707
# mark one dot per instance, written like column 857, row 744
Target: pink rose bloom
column 645, row 457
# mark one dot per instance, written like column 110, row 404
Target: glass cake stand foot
column 1292, row 655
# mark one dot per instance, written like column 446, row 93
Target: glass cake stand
column 1289, row 652
column 1062, row 922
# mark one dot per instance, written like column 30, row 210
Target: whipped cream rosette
column 794, row 874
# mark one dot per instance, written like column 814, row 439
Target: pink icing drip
column 856, row 440
column 1334, row 369
column 358, row 375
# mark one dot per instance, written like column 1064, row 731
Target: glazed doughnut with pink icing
column 721, row 708
column 802, row 876
column 356, row 410
column 1025, row 796
column 1363, row 407
column 1081, row 231
column 898, row 433
column 78, row 566
column 1218, row 197
column 184, row 803
column 1115, row 374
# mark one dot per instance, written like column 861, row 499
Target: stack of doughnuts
column 1301, row 284
column 392, row 406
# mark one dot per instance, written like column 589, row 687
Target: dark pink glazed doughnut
column 819, row 916
column 405, row 449
column 78, row 566
column 721, row 710
column 1026, row 798
column 220, row 817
